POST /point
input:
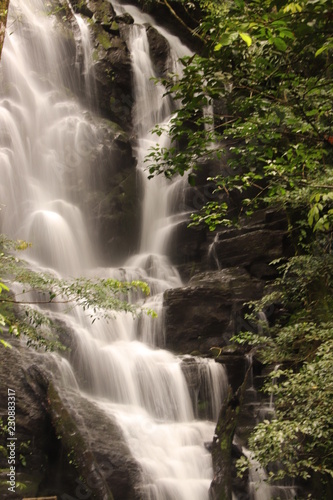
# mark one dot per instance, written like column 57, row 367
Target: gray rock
column 207, row 312
column 235, row 247
column 96, row 445
column 113, row 75
column 65, row 443
column 125, row 18
column 30, row 419
column 159, row 51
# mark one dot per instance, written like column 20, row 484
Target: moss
column 95, row 56
column 27, row 483
column 215, row 351
column 114, row 26
column 224, row 444
column 104, row 40
column 106, row 20
column 64, row 425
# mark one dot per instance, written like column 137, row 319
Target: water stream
column 119, row 365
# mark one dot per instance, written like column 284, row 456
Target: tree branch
column 180, row 20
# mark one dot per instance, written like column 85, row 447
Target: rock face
column 65, row 444
column 112, row 71
column 109, row 192
column 254, row 246
column 162, row 12
column 31, row 430
column 104, row 180
column 202, row 316
column 159, row 51
column 96, row 446
column 207, row 312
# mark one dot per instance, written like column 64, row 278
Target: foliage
column 300, row 435
column 98, row 297
column 270, row 65
column 266, row 72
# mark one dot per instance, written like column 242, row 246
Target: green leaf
column 321, row 50
column 225, row 40
column 292, row 7
column 280, row 44
column 3, row 287
column 5, row 344
column 192, row 179
column 247, row 39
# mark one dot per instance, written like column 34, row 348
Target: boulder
column 31, row 429
column 208, row 311
column 259, row 240
column 187, row 248
column 101, row 11
column 95, row 444
column 235, row 247
column 65, row 444
column 171, row 20
column 124, row 18
column 159, row 51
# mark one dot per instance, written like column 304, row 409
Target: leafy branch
column 100, row 298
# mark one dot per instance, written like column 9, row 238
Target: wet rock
column 234, row 247
column 36, row 445
column 164, row 17
column 236, row 366
column 207, row 312
column 187, row 248
column 96, row 446
column 113, row 74
column 108, row 190
column 112, row 67
column 159, row 51
column 261, row 239
column 65, row 444
column 224, row 453
column 125, row 18
column 100, row 11
column 199, row 384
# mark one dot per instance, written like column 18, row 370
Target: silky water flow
column 119, row 365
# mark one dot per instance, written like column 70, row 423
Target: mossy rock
column 114, row 28
column 104, row 39
column 95, row 445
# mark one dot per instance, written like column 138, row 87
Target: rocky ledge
column 208, row 311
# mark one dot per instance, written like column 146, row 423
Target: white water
column 260, row 489
column 43, row 144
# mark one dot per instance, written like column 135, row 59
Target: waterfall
column 120, row 365
column 260, row 489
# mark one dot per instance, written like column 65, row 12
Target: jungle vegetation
column 265, row 69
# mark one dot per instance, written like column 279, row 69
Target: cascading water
column 119, row 365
